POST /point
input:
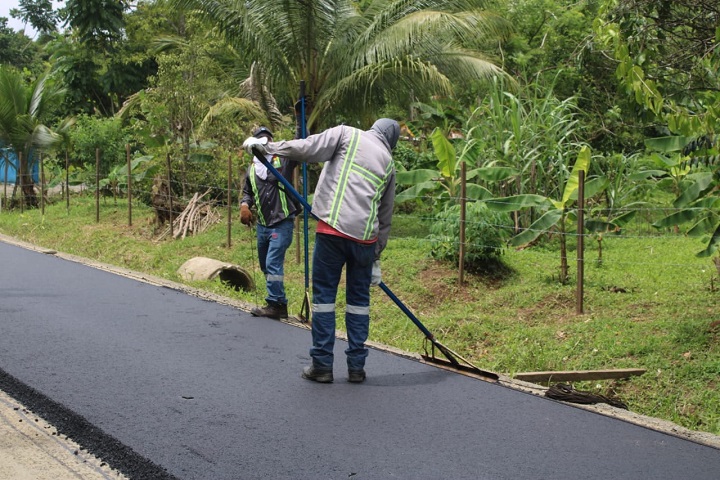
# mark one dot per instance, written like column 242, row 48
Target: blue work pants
column 272, row 243
column 330, row 255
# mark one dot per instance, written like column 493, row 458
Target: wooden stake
column 229, row 203
column 129, row 184
column 578, row 375
column 97, row 185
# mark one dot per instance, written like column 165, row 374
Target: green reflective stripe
column 256, row 194
column 284, row 201
column 367, row 234
column 370, row 176
column 277, row 163
column 373, row 215
column 344, row 176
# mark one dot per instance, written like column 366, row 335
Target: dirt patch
column 558, row 306
column 442, row 283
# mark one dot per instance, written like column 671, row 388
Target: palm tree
column 22, row 108
column 356, row 56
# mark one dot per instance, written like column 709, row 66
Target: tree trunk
column 25, row 182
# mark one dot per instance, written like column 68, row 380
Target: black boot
column 317, row 375
column 356, row 376
column 276, row 311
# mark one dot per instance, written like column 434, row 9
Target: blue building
column 8, row 155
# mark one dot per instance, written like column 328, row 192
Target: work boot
column 317, row 375
column 356, row 376
column 276, row 311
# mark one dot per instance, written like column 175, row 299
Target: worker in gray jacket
column 353, row 200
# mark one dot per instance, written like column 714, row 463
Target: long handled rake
column 452, row 356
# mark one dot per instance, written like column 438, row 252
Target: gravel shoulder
column 31, row 449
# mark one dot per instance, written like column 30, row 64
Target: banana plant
column 444, row 184
column 555, row 213
column 698, row 200
column 117, row 178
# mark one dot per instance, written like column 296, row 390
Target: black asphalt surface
column 162, row 384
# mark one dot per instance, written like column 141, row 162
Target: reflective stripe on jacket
column 356, row 189
column 272, row 202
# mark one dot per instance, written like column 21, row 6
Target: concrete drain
column 203, row 268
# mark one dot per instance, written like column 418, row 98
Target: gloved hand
column 376, row 275
column 245, row 215
column 256, row 143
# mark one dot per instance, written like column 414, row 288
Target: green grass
column 650, row 304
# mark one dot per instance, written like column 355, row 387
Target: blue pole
column 303, row 134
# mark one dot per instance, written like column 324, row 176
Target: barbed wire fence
column 170, row 209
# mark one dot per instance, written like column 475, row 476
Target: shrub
column 486, row 232
column 106, row 134
column 408, row 157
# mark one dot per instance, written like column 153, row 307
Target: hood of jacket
column 389, row 129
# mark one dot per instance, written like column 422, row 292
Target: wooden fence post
column 67, row 181
column 580, row 243
column 19, row 177
column 229, row 203
column 97, row 185
column 129, row 183
column 42, row 185
column 5, row 181
column 169, row 179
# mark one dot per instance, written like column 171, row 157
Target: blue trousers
column 331, row 254
column 272, row 243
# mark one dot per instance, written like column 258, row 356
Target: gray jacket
column 356, row 189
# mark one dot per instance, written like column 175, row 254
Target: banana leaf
column 712, row 245
column 539, row 226
column 518, row 202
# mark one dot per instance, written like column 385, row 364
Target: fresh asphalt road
column 162, row 384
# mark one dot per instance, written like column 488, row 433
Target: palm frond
column 131, row 104
column 166, row 43
column 234, row 107
column 353, row 60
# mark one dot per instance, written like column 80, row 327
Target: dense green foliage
column 17, row 50
column 94, row 133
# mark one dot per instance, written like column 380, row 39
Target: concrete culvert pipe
column 202, row 268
